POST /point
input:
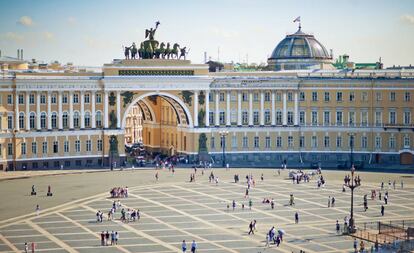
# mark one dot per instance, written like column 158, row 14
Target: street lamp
column 223, row 135
column 352, row 186
column 112, row 141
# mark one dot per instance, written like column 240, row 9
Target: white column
column 27, row 100
column 217, row 110
column 38, row 110
column 239, row 108
column 70, row 109
column 296, row 116
column 60, row 113
column 105, row 114
column 82, row 112
column 284, row 115
column 262, row 108
column 273, row 109
column 49, row 111
column 16, row 112
column 118, row 109
column 228, row 114
column 207, row 108
column 93, row 110
column 250, row 109
column 195, row 108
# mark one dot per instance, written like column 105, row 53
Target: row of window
column 55, row 147
column 314, row 142
column 339, row 118
column 54, row 120
column 53, row 98
column 339, row 96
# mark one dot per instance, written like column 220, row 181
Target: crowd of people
column 119, row 192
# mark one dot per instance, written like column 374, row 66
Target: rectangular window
column 256, row 97
column 351, row 118
column 221, row 96
column 364, row 142
column 406, row 141
column 302, row 96
column 407, row 96
column 23, row 148
column 352, row 96
column 98, row 98
column 326, row 118
column 377, row 142
column 42, row 99
column 212, row 143
column 290, row 118
column 222, row 118
column 86, row 98
column 55, row 147
column 9, row 99
column 314, row 143
column 211, row 118
column 339, row 96
column 378, row 96
column 407, row 118
column 364, row 118
column 66, row 146
column 53, row 99
column 65, row 98
column 290, row 96
column 290, row 141
column 391, row 142
column 77, row 146
column 21, row 99
column 393, row 119
column 10, row 122
column 314, row 118
column 245, row 142
column 302, row 141
column 245, row 118
column 339, row 118
column 279, row 141
column 278, row 96
column 9, row 149
column 256, row 142
column 267, row 96
column 314, row 96
column 34, row 148
column 211, row 97
column 267, row 117
column 338, row 141
column 99, row 145
column 378, row 118
column 326, row 141
column 327, row 96
column 75, row 98
column 234, row 142
column 233, row 96
column 392, row 96
column 233, row 117
column 302, row 118
column 256, row 118
column 267, row 142
column 245, row 97
column 44, row 147
column 88, row 145
column 278, row 118
column 31, row 99
column 364, row 96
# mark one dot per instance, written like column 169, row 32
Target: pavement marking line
column 182, row 230
column 90, row 231
column 51, row 237
column 227, row 231
column 8, row 243
column 254, row 209
column 140, row 233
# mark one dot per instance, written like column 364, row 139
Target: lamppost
column 112, row 141
column 223, row 135
column 352, row 185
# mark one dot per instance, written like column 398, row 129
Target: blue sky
column 92, row 33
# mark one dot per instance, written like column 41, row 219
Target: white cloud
column 72, row 21
column 26, row 21
column 408, row 18
column 11, row 36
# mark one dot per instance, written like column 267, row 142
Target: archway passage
column 155, row 127
column 406, row 158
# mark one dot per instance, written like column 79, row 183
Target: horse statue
column 174, row 51
column 159, row 52
column 167, row 52
column 141, row 51
column 134, row 51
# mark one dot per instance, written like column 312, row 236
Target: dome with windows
column 300, row 51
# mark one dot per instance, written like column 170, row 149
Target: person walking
column 362, row 246
column 329, row 201
column 112, row 238
column 102, row 238
column 296, row 218
column 184, row 246
column 250, row 204
column 338, row 227
column 402, row 184
column 26, row 247
column 267, row 240
column 37, row 210
column 251, row 228
column 355, row 246
column 234, row 204
column 333, row 202
column 272, row 204
column 116, row 238
column 156, row 176
column 382, row 210
column 193, row 247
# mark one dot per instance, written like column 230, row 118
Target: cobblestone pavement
column 173, row 210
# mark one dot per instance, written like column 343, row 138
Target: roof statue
column 152, row 49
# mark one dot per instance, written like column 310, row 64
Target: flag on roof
column 296, row 19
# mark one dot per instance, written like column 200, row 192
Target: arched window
column 43, row 120
column 76, row 119
column 65, row 120
column 54, row 120
column 98, row 119
column 32, row 120
column 21, row 120
column 87, row 119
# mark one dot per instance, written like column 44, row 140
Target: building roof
column 8, row 59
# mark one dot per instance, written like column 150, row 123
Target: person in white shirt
column 184, row 246
column 193, row 247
